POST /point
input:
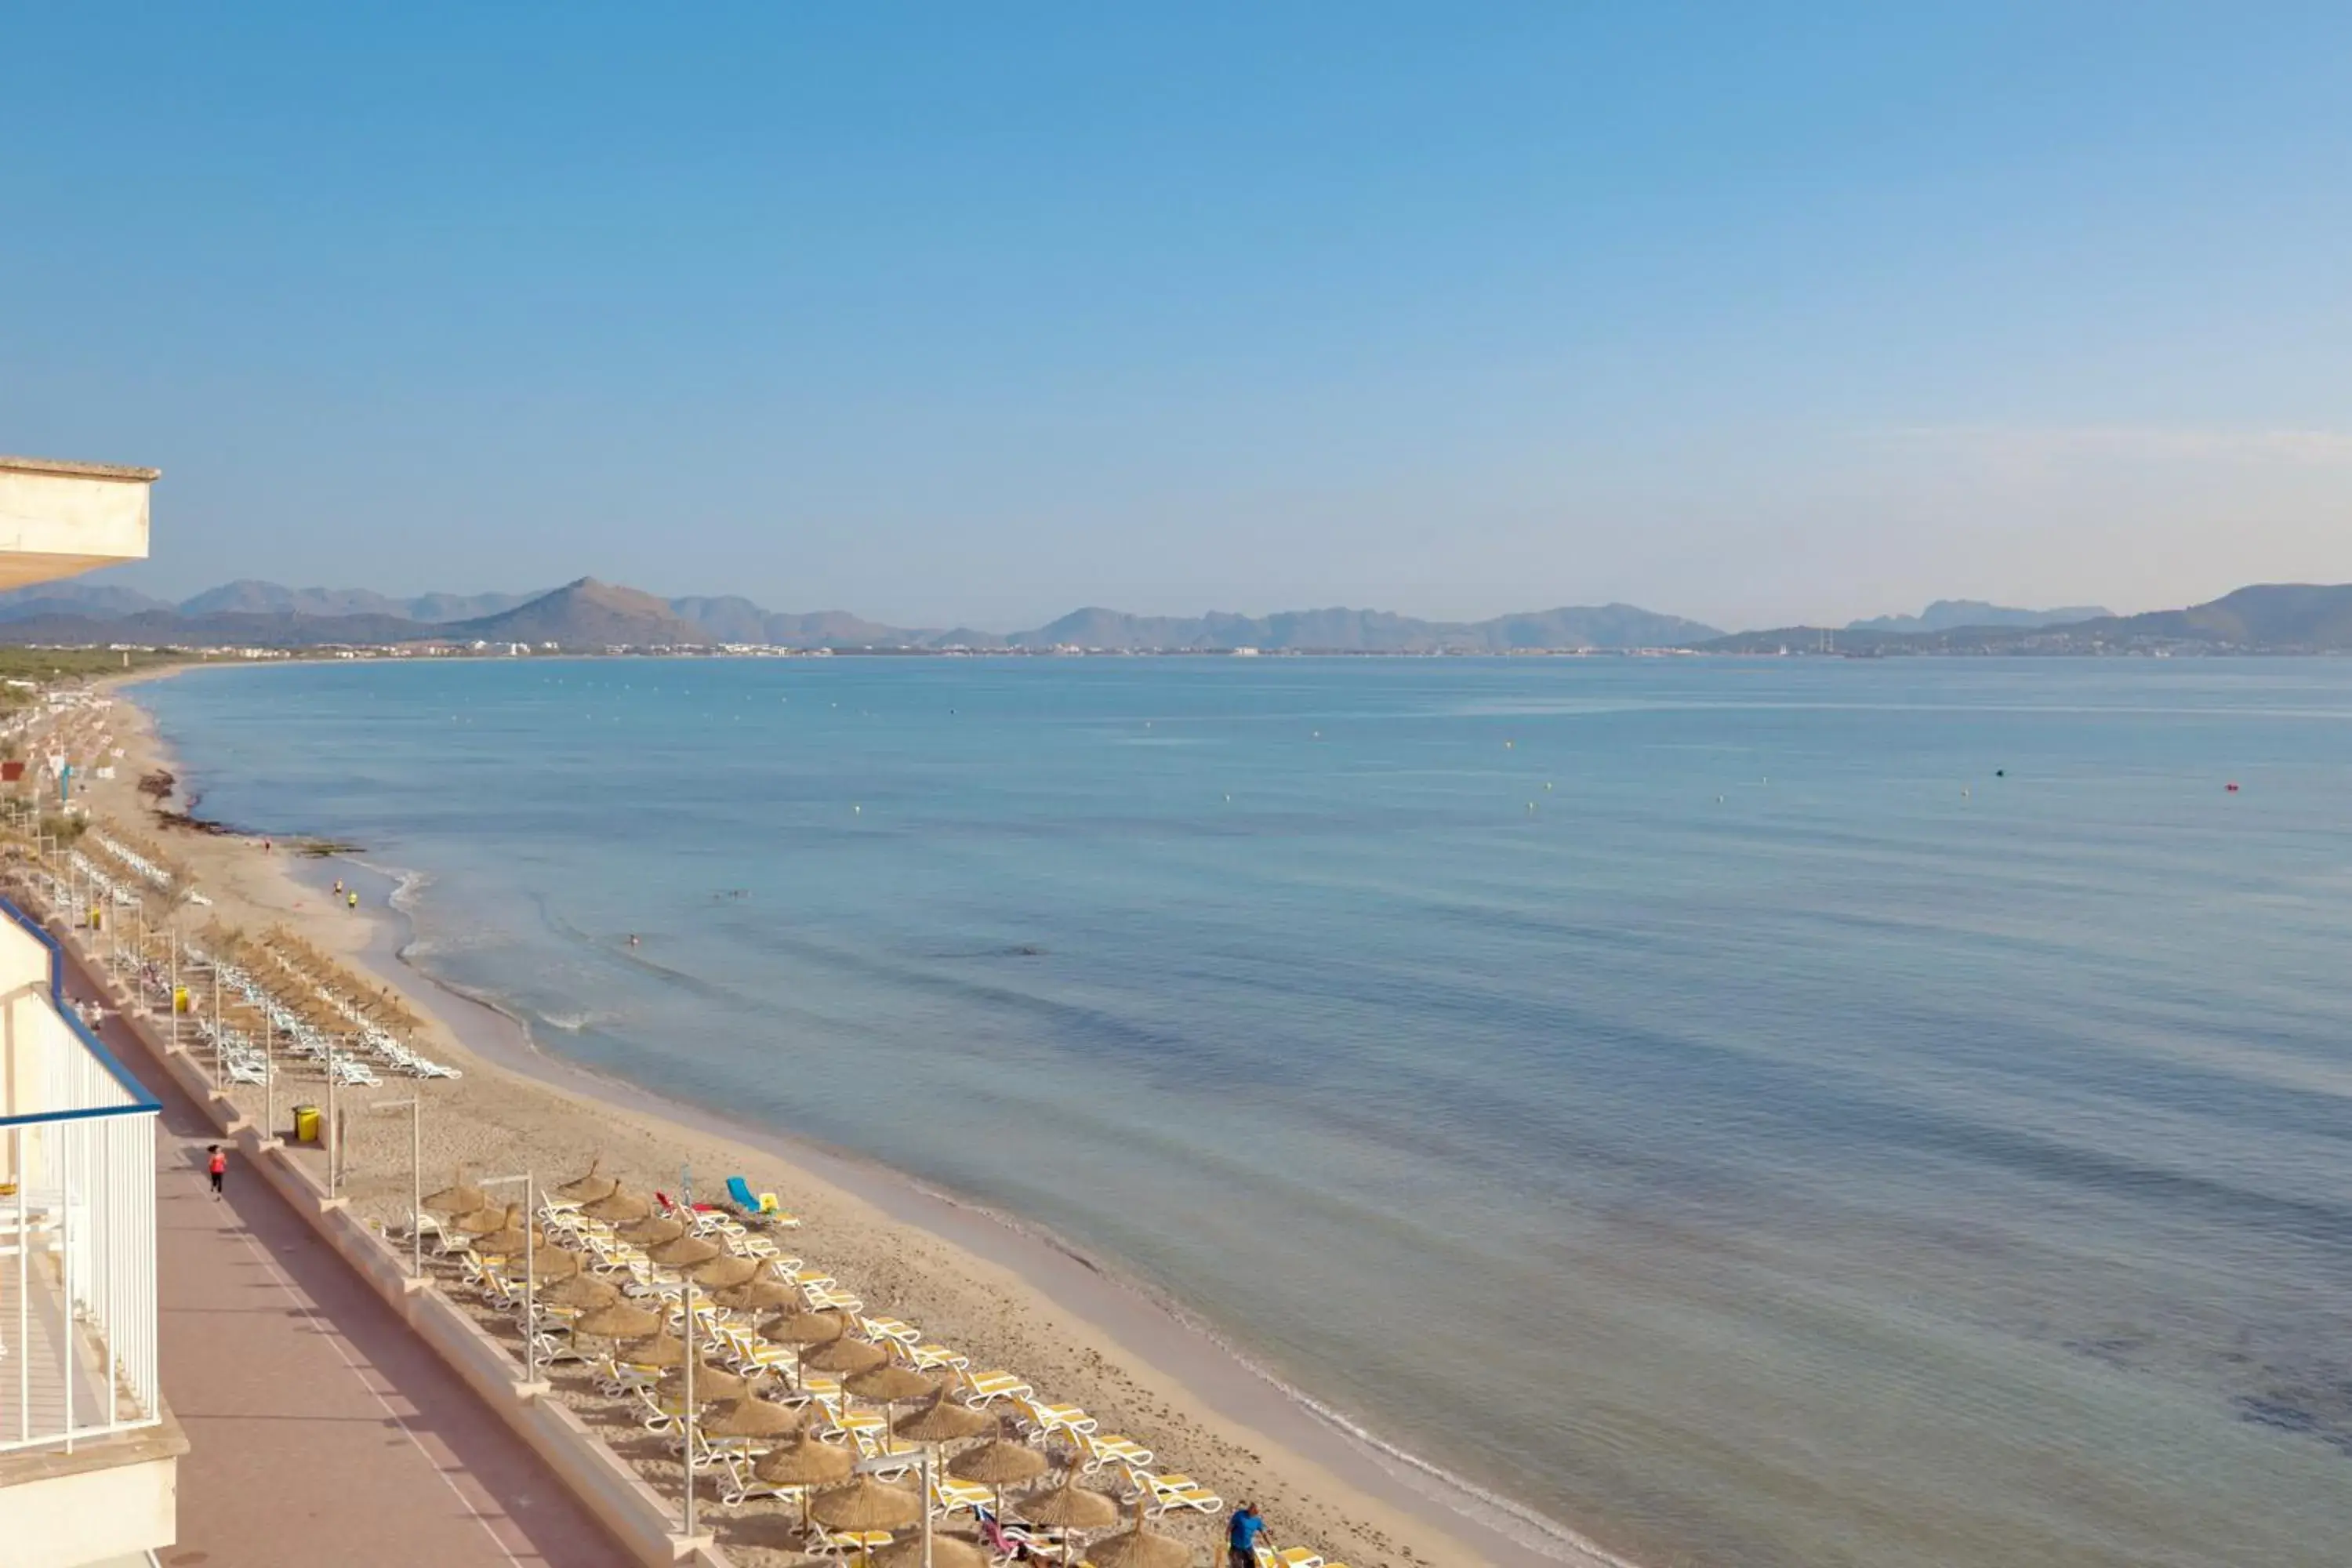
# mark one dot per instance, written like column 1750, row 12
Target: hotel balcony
column 58, row 518
column 89, row 1456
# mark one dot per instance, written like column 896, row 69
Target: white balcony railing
column 76, row 1214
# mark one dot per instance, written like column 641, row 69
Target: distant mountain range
column 1949, row 615
column 2276, row 617
column 592, row 615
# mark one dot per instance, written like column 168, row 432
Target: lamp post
column 414, row 1106
column 530, row 1274
column 328, row 1137
column 686, row 1425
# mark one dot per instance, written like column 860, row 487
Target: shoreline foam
column 1406, row 1509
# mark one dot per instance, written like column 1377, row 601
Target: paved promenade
column 320, row 1429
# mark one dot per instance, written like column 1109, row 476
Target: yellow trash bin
column 306, row 1124
column 180, row 1000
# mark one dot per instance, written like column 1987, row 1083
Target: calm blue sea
column 1781, row 1112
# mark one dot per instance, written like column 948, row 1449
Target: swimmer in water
column 633, row 939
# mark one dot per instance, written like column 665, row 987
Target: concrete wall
column 58, row 518
column 95, row 1513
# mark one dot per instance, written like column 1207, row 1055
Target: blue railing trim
column 142, row 1101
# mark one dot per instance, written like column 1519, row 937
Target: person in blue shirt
column 1240, row 1536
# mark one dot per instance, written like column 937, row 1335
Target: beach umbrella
column 887, row 1386
column 483, row 1221
column 801, row 1329
column 841, row 1356
column 867, row 1504
column 844, row 1356
column 752, row 1417
column 726, row 1273
column 944, row 1421
column 458, row 1197
column 947, row 1551
column 655, row 1231
column 618, row 1320
column 1137, row 1547
column 551, row 1263
column 1067, row 1508
column 757, row 1296
column 508, row 1240
column 711, row 1383
column 661, row 1350
column 588, row 1188
column 1000, row 1464
column 683, row 1253
column 584, row 1291
column 618, row 1207
column 806, row 1463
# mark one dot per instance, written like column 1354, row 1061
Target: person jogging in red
column 218, row 1167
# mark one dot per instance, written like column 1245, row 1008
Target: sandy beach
column 1004, row 1295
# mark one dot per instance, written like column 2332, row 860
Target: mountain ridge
column 590, row 614
column 2262, row 617
column 1950, row 614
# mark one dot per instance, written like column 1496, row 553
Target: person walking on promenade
column 216, row 1167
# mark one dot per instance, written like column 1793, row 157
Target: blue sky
column 974, row 314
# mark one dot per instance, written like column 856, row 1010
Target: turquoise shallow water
column 1696, row 1100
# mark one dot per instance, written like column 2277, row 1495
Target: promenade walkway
column 320, row 1429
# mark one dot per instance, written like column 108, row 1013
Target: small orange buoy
column 2231, row 787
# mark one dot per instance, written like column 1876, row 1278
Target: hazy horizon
column 942, row 317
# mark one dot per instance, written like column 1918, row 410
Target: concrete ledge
column 619, row 1498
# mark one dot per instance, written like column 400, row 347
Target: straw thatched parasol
column 655, row 1231
column 1067, row 1508
column 1137, row 1547
column 844, row 1356
column 804, row 1329
column 664, row 1349
column 947, row 1551
column 805, row 1463
column 618, row 1207
column 867, row 1504
column 482, row 1221
column 944, row 1421
column 726, row 1273
column 584, row 1290
column 889, row 1383
column 887, row 1386
column 711, row 1383
column 508, row 1240
column 550, row 1262
column 458, row 1197
column 618, row 1320
column 683, row 1253
column 588, row 1188
column 752, row 1417
column 1000, row 1464
column 757, row 1296
column 1065, row 1505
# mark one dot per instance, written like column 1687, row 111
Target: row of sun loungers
column 734, row 1344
